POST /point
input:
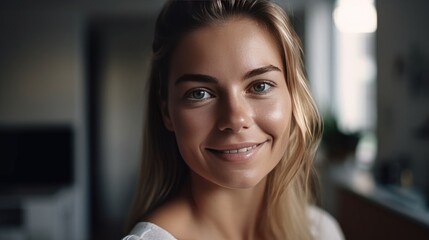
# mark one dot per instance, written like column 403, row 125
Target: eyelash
column 270, row 85
column 189, row 93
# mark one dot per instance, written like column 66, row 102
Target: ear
column 165, row 114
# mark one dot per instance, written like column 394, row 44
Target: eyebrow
column 209, row 79
column 261, row 70
column 196, row 78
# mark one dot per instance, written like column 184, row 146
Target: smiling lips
column 240, row 150
column 238, row 154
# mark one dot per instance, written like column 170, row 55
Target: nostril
column 235, row 124
column 234, row 113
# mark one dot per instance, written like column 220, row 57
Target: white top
column 148, row 231
column 323, row 227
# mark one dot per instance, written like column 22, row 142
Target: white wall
column 319, row 52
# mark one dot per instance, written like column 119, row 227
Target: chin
column 242, row 182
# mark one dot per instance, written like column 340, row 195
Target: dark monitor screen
column 36, row 156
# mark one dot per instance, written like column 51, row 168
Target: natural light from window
column 355, row 72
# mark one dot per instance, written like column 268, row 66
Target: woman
column 231, row 129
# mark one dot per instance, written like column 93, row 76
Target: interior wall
column 403, row 83
column 318, row 53
column 39, row 67
column 126, row 46
column 41, row 82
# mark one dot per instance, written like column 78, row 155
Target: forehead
column 230, row 47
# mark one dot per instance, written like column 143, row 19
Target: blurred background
column 71, row 113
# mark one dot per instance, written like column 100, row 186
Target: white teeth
column 241, row 150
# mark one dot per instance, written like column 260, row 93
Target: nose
column 235, row 114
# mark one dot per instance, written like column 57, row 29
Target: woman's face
column 228, row 103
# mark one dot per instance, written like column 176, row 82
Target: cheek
column 275, row 117
column 191, row 128
column 191, row 125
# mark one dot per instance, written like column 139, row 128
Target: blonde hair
column 163, row 172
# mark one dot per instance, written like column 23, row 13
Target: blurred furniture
column 37, row 214
column 368, row 211
column 37, row 193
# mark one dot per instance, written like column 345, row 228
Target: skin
column 227, row 91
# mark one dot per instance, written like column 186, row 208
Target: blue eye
column 198, row 94
column 260, row 87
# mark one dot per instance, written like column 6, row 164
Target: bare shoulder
column 323, row 225
column 174, row 216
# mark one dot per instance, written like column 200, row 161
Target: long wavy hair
column 163, row 173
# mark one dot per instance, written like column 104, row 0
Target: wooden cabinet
column 362, row 218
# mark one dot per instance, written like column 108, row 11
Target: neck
column 229, row 213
